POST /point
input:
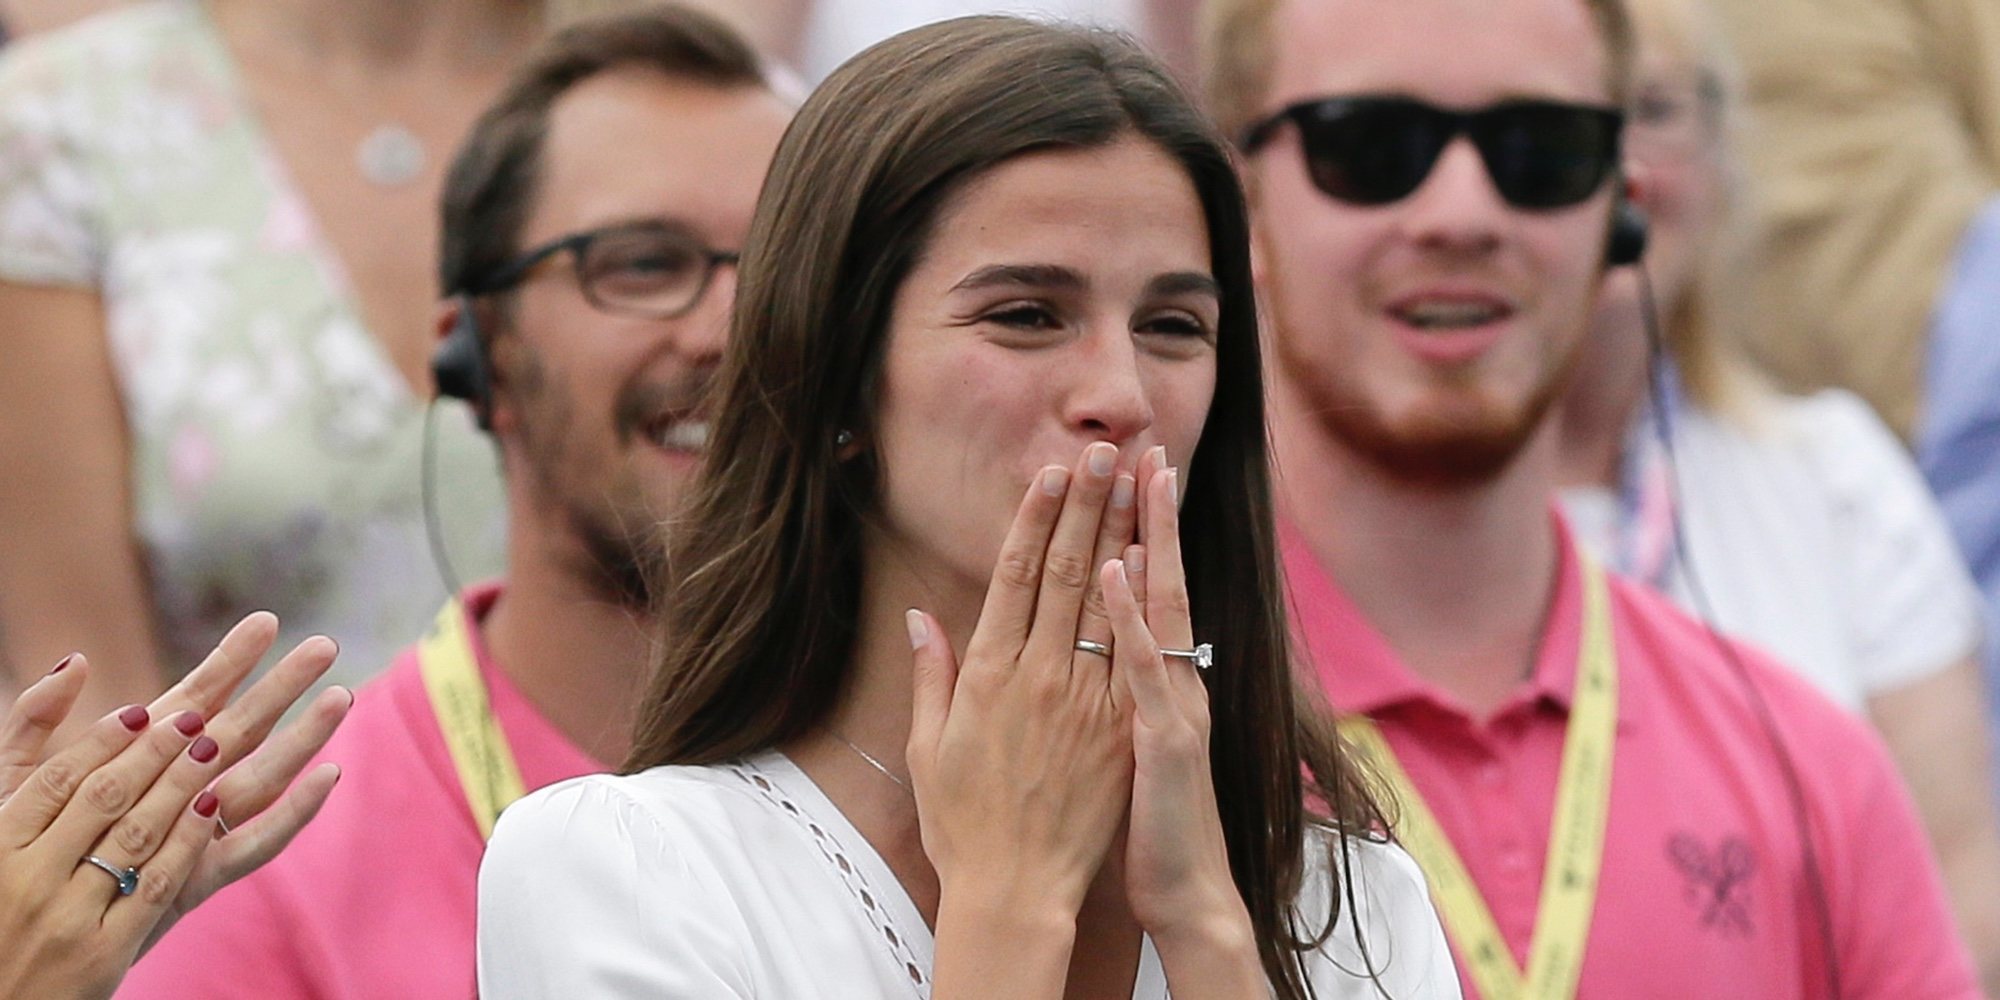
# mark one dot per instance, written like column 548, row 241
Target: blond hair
column 1715, row 373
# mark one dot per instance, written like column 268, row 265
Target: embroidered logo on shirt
column 1718, row 881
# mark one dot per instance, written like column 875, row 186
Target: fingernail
column 203, row 750
column 134, row 717
column 60, row 666
column 1124, row 573
column 1135, row 558
column 1159, row 456
column 920, row 633
column 189, row 724
column 1121, row 492
column 1103, row 458
column 1054, row 478
column 1174, row 485
column 206, row 804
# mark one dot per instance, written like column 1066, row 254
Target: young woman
column 995, row 345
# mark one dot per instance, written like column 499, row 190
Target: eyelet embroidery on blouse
column 850, row 875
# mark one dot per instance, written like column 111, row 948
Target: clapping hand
column 108, row 842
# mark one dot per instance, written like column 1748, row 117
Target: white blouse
column 743, row 880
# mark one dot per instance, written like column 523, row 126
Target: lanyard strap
column 486, row 769
column 1576, row 842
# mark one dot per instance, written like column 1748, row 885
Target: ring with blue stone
column 128, row 878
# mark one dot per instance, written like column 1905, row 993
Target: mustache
column 641, row 406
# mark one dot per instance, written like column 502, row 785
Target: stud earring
column 843, row 438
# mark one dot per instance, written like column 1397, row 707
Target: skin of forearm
column 1935, row 730
column 1001, row 945
column 1213, row 957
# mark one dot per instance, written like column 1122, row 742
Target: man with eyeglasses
column 590, row 224
column 1608, row 800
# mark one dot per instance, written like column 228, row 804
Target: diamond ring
column 1202, row 656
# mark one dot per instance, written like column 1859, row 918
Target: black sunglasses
column 1374, row 149
column 649, row 268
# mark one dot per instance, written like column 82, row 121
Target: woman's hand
column 1177, row 875
column 1020, row 758
column 130, row 792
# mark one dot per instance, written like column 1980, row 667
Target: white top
column 836, row 30
column 743, row 880
column 1813, row 536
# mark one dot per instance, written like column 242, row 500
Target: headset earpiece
column 1627, row 242
column 459, row 366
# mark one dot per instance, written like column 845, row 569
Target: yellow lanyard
column 486, row 769
column 1576, row 841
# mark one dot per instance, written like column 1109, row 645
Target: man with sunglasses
column 589, row 228
column 1609, row 801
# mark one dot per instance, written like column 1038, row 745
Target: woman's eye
column 1023, row 317
column 1175, row 324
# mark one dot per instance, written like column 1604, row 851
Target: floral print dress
column 276, row 451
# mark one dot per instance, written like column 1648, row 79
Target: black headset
column 1626, row 244
column 460, row 370
column 459, row 366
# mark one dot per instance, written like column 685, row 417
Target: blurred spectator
column 26, row 17
column 1878, row 145
column 216, row 237
column 814, row 36
column 1809, row 529
column 645, row 138
column 1878, row 258
column 1746, row 838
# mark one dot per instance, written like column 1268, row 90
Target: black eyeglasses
column 647, row 269
column 1373, row 150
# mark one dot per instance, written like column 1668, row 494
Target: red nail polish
column 206, row 804
column 134, row 718
column 64, row 663
column 203, row 750
column 189, row 724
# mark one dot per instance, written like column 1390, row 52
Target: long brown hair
column 760, row 610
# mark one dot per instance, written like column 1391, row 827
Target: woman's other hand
column 1177, row 875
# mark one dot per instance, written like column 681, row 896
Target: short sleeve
column 584, row 892
column 1388, row 934
column 1910, row 603
column 51, row 221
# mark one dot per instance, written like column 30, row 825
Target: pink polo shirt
column 374, row 899
column 1703, row 891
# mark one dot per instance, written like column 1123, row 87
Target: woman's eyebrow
column 1050, row 276
column 1183, row 283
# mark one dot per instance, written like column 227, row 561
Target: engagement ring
column 1203, row 656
